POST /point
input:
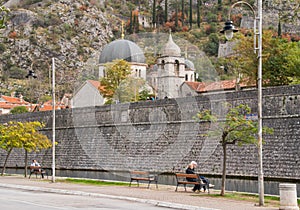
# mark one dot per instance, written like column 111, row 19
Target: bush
column 2, row 48
column 18, row 110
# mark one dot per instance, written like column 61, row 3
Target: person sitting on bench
column 191, row 170
column 36, row 164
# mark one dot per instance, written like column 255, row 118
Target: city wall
column 162, row 136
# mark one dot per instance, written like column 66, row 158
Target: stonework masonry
column 162, row 136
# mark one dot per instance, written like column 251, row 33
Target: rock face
column 73, row 32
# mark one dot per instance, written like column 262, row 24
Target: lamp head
column 31, row 74
column 229, row 29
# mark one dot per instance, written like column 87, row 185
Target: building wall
column 88, row 95
column 161, row 136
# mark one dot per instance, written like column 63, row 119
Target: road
column 14, row 199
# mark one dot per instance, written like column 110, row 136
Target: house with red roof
column 8, row 102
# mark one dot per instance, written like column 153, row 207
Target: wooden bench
column 181, row 178
column 37, row 170
column 142, row 176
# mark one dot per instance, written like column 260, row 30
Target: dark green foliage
column 212, row 46
column 199, row 3
column 18, row 110
column 191, row 14
column 154, row 13
column 2, row 48
column 211, row 17
column 16, row 73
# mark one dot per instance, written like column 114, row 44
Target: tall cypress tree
column 154, row 13
column 176, row 15
column 182, row 12
column 191, row 14
column 166, row 10
column 279, row 28
column 130, row 23
column 199, row 3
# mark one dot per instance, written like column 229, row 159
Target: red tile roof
column 95, row 83
column 14, row 100
column 9, row 103
column 202, row 87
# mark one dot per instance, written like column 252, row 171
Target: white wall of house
column 87, row 95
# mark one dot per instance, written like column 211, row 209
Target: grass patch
column 269, row 200
column 93, row 182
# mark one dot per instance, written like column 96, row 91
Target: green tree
column 282, row 63
column 33, row 140
column 280, row 58
column 199, row 3
column 191, row 14
column 18, row 110
column 154, row 13
column 234, row 129
column 166, row 11
column 4, row 12
column 115, row 72
column 22, row 135
column 212, row 45
column 130, row 90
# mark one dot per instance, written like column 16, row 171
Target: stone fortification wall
column 161, row 136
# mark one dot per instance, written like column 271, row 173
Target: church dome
column 171, row 49
column 122, row 49
column 189, row 64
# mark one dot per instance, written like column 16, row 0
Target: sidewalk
column 163, row 196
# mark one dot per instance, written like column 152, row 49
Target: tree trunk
column 26, row 163
column 4, row 166
column 224, row 168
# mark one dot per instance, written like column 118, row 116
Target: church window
column 186, row 77
column 104, row 73
column 163, row 64
column 192, row 77
column 140, row 73
column 176, row 67
column 136, row 73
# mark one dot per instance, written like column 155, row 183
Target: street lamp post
column 53, row 120
column 228, row 31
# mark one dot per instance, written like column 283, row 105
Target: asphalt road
column 16, row 199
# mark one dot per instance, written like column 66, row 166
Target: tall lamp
column 228, row 30
column 53, row 120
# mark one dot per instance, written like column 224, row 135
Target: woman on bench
column 191, row 170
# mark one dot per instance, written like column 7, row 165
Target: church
column 165, row 78
column 172, row 76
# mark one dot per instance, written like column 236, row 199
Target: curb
column 72, row 192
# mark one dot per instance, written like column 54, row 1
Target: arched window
column 186, row 77
column 104, row 73
column 140, row 73
column 136, row 73
column 192, row 77
column 163, row 64
column 176, row 67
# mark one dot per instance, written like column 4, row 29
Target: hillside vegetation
column 75, row 31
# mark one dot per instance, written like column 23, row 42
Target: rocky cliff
column 73, row 32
